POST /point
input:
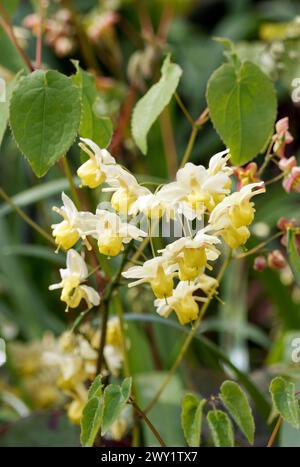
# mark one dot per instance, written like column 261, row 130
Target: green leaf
column 91, row 421
column 150, row 106
column 10, row 5
column 45, row 114
column 4, row 106
column 293, row 255
column 221, row 429
column 95, row 389
column 98, row 129
column 283, row 396
column 236, row 402
column 114, row 400
column 208, row 346
column 242, row 105
column 191, row 419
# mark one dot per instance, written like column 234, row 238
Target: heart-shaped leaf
column 45, row 112
column 242, row 106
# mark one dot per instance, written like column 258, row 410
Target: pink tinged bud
column 282, row 136
column 276, row 260
column 282, row 125
column 260, row 263
column 284, row 223
column 292, row 181
column 287, row 164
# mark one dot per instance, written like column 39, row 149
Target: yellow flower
column 192, row 254
column 157, row 273
column 125, row 188
column 66, row 233
column 75, row 410
column 231, row 217
column 93, row 172
column 71, row 284
column 111, row 232
column 182, row 302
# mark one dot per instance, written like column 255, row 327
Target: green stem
column 142, row 414
column 69, row 176
column 268, row 158
column 184, row 109
column 26, row 218
column 190, row 146
column 258, row 247
column 188, row 339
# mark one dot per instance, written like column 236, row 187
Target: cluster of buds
column 289, row 167
column 178, row 275
column 275, row 258
column 60, row 32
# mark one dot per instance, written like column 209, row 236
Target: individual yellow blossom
column 111, row 233
column 157, row 273
column 93, row 172
column 231, row 217
column 198, row 189
column 125, row 188
column 182, row 302
column 192, row 254
column 66, row 233
column 71, row 284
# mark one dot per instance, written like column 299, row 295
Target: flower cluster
column 178, row 275
column 74, row 356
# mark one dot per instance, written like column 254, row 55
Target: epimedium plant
column 47, row 111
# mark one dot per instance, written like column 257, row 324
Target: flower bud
column 276, row 260
column 260, row 263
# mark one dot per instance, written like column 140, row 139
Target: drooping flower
column 192, row 254
column 73, row 289
column 156, row 272
column 125, row 188
column 182, row 302
column 66, row 233
column 111, row 232
column 231, row 217
column 282, row 137
column 93, row 172
column 198, row 189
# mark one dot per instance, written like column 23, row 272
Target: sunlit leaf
column 242, row 107
column 91, row 421
column 191, row 419
column 284, row 400
column 114, row 400
column 153, row 103
column 221, row 429
column 236, row 402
